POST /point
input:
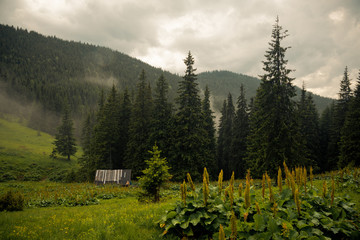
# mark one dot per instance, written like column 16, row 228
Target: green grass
column 111, row 219
column 122, row 217
column 24, row 154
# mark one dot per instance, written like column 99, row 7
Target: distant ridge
column 41, row 71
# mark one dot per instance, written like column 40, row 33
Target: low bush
column 12, row 201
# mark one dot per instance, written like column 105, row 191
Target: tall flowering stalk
column 205, row 190
column 279, row 180
column 247, row 194
column 305, row 179
column 240, row 189
column 293, row 185
column 192, row 185
column 221, row 233
column 263, row 186
column 332, row 191
column 206, row 175
column 271, row 196
column 183, row 192
column 220, row 181
column 324, row 189
column 297, row 201
column 311, row 178
column 257, row 208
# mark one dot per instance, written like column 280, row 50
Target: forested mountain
column 222, row 82
column 42, row 72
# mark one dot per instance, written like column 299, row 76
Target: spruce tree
column 210, row 132
column 64, row 142
column 350, row 134
column 240, row 133
column 340, row 111
column 189, row 153
column 162, row 116
column 325, row 125
column 139, row 128
column 274, row 133
column 124, row 122
column 309, row 127
column 107, row 132
column 226, row 134
column 221, row 138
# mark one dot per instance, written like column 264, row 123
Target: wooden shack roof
column 116, row 176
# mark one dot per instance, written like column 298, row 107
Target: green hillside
column 38, row 74
column 24, row 154
column 223, row 82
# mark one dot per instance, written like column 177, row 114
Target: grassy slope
column 24, row 154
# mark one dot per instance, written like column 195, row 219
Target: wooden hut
column 117, row 176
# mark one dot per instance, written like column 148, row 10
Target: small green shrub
column 12, row 201
column 155, row 175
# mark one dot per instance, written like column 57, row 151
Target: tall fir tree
column 274, row 132
column 240, row 133
column 189, row 153
column 124, row 123
column 340, row 111
column 139, row 128
column 221, row 138
column 325, row 128
column 226, row 134
column 65, row 143
column 350, row 134
column 209, row 125
column 162, row 116
column 106, row 132
column 309, row 127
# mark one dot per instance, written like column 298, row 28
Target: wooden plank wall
column 117, row 176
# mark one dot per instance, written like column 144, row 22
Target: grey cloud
column 230, row 34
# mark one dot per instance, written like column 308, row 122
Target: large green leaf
column 259, row 222
column 301, row 224
column 195, row 218
column 272, row 226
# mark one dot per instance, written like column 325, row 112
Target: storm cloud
column 222, row 35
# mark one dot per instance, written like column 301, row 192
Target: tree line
column 259, row 135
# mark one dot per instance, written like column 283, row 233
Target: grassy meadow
column 24, row 154
column 54, row 210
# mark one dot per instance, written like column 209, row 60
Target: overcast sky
column 222, row 35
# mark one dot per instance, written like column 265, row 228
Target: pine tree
column 240, row 132
column 309, row 127
column 106, row 132
column 162, row 116
column 124, row 123
column 229, row 134
column 139, row 128
column 274, row 132
column 350, row 135
column 221, row 138
column 189, row 153
column 64, row 139
column 210, row 132
column 340, row 111
column 326, row 123
column 226, row 134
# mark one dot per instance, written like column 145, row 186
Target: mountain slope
column 24, row 154
column 222, row 82
column 39, row 74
